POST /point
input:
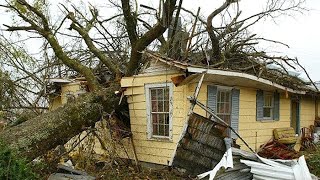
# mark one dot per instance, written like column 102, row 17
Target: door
column 295, row 115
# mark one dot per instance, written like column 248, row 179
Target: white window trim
column 265, row 93
column 148, row 106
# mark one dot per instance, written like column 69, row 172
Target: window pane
column 166, row 106
column 154, row 106
column 166, row 93
column 267, row 112
column 161, row 118
column 155, row 129
column 227, row 96
column 166, row 118
column 166, row 132
column 221, row 109
column 160, row 94
column 227, row 109
column 153, row 94
column 222, row 96
column 268, row 101
column 155, row 118
column 160, row 106
column 161, row 130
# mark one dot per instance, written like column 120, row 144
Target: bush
column 13, row 167
column 313, row 161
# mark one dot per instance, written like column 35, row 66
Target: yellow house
column 252, row 106
column 63, row 90
column 158, row 105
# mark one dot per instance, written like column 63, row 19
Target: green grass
column 313, row 161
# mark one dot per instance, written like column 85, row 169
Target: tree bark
column 138, row 44
column 216, row 50
column 37, row 136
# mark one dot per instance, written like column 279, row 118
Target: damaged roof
column 271, row 77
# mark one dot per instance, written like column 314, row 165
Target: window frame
column 270, row 94
column 148, row 88
column 224, row 89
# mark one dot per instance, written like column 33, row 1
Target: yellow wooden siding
column 68, row 88
column 318, row 109
column 140, row 80
column 253, row 131
column 307, row 112
column 256, row 132
column 153, row 150
column 60, row 100
column 55, row 102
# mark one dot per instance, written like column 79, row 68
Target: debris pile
column 273, row 149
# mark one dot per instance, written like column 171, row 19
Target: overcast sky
column 300, row 32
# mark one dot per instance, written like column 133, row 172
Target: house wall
column 252, row 131
column 318, row 108
column 60, row 100
column 256, row 132
column 69, row 88
column 55, row 102
column 307, row 112
column 151, row 150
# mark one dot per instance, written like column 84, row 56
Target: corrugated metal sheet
column 273, row 169
column 202, row 146
column 239, row 171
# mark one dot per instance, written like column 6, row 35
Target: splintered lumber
column 37, row 136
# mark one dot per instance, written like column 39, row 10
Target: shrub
column 13, row 167
column 313, row 161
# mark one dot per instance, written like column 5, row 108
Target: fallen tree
column 35, row 137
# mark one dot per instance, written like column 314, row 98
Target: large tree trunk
column 39, row 135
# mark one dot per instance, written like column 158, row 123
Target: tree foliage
column 13, row 167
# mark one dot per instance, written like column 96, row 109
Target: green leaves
column 7, row 90
column 13, row 167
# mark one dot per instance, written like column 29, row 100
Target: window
column 268, row 106
column 223, row 104
column 224, row 101
column 159, row 110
